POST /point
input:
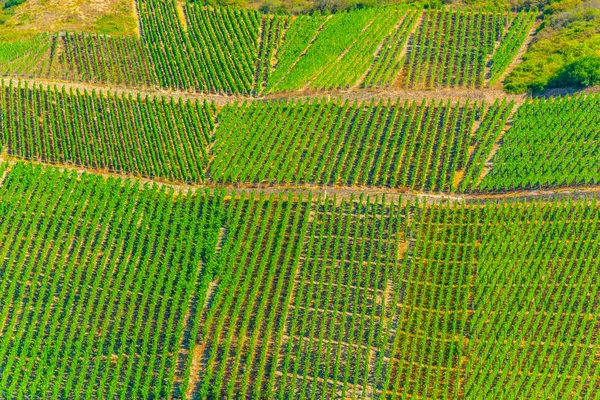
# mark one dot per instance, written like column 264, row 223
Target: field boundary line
column 391, row 194
column 364, row 95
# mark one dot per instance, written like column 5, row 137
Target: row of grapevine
column 551, row 143
column 450, row 49
column 505, row 53
column 95, row 282
column 104, row 59
column 148, row 137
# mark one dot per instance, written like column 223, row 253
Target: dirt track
column 454, row 95
column 390, row 194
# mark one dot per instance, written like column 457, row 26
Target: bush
column 12, row 3
column 585, row 71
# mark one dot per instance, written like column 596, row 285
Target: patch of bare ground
column 73, row 15
column 219, row 100
column 559, row 92
column 181, row 15
column 134, row 11
column 453, row 95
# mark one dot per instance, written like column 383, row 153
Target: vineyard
column 436, row 146
column 103, row 59
column 288, row 297
column 148, row 137
column 224, row 203
column 552, row 143
column 187, row 47
column 408, row 145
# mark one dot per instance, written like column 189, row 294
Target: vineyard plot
column 515, row 36
column 222, row 50
column 407, row 145
column 339, row 32
column 353, row 62
column 524, row 276
column 148, row 137
column 305, row 308
column 552, row 143
column 95, row 282
column 428, row 351
column 388, row 59
column 536, row 304
column 103, row 59
column 450, row 49
column 31, row 57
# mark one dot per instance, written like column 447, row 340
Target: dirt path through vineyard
column 340, row 192
column 454, row 95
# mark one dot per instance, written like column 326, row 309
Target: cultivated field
column 436, row 146
column 145, row 292
column 183, row 46
column 229, row 204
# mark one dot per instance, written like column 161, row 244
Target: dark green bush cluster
column 584, row 71
column 12, row 3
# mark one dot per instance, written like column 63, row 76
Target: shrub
column 12, row 3
column 585, row 71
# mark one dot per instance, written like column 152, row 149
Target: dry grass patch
column 115, row 17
